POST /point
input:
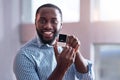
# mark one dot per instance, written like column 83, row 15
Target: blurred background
column 95, row 22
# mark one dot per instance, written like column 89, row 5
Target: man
column 43, row 59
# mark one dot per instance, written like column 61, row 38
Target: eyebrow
column 44, row 18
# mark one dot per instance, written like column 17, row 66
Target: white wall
column 9, row 36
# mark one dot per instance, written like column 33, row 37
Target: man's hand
column 80, row 63
column 65, row 58
column 73, row 42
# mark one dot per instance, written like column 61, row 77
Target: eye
column 54, row 21
column 42, row 21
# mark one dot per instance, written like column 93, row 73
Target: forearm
column 81, row 64
column 57, row 74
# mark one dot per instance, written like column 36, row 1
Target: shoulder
column 29, row 49
column 31, row 43
column 30, row 46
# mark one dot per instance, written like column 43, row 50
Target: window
column 70, row 9
column 107, row 65
column 105, row 10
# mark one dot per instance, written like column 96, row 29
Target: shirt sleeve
column 24, row 68
column 86, row 76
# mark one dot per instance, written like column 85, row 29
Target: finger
column 56, row 49
column 74, row 43
column 69, row 53
column 70, row 40
column 76, row 48
column 67, row 41
column 65, row 51
column 72, row 57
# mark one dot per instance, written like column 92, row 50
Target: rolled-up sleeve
column 86, row 76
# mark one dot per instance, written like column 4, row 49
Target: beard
column 46, row 41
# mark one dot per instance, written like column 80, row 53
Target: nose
column 48, row 25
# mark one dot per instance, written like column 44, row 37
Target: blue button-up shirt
column 36, row 61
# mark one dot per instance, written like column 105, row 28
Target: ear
column 61, row 26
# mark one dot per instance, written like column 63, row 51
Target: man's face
column 48, row 24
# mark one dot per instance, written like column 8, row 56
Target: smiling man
column 42, row 59
column 48, row 24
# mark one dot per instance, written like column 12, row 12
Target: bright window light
column 105, row 10
column 70, row 9
column 109, row 9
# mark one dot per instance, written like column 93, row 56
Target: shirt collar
column 40, row 44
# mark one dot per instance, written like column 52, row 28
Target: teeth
column 47, row 32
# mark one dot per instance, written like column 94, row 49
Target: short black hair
column 50, row 5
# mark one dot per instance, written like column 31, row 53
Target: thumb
column 76, row 48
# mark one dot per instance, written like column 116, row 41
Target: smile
column 48, row 34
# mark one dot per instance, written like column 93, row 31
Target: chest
column 45, row 64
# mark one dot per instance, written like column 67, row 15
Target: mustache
column 47, row 30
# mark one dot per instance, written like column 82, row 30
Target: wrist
column 61, row 68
